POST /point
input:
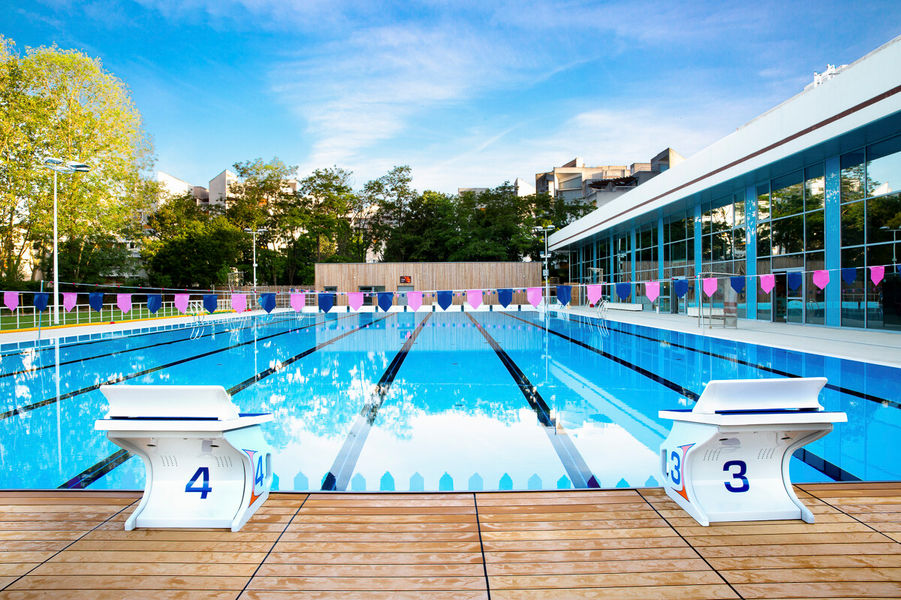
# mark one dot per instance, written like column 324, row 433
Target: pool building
column 811, row 185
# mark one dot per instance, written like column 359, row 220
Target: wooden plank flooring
column 498, row 545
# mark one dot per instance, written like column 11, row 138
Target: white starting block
column 207, row 465
column 728, row 458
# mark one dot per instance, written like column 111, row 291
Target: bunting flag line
column 564, row 294
column 11, row 300
column 239, row 302
column 95, row 300
column 326, row 301
column 849, row 275
column 505, row 296
column 821, row 279
column 710, row 285
column 445, row 298
column 623, row 290
column 414, row 300
column 267, row 301
column 737, row 283
column 794, row 280
column 154, row 303
column 876, row 274
column 680, row 287
column 40, row 301
column 652, row 290
column 474, row 297
column 298, row 300
column 123, row 302
column 210, row 302
column 69, row 300
column 594, row 292
column 767, row 283
column 533, row 294
column 181, row 302
column 355, row 300
column 386, row 299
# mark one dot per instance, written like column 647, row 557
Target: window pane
column 814, row 189
column 787, row 197
column 739, row 212
column 853, row 293
column 852, row 224
column 814, row 230
column 738, row 243
column 884, row 167
column 763, row 239
column 852, row 176
column 816, row 298
column 788, row 235
column 884, row 219
column 763, row 202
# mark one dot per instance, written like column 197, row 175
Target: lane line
column 576, row 467
column 822, row 465
column 339, row 475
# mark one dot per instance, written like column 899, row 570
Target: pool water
column 427, row 401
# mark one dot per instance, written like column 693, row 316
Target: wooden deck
column 576, row 544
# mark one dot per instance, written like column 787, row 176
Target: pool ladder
column 600, row 322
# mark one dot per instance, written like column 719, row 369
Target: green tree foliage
column 63, row 103
column 199, row 255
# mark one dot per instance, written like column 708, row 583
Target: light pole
column 545, row 230
column 57, row 165
column 254, row 232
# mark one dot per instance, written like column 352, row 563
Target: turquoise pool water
column 435, row 401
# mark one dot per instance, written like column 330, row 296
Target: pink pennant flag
column 594, row 292
column 239, row 302
column 355, row 300
column 69, row 300
column 414, row 300
column 123, row 302
column 181, row 302
column 652, row 290
column 767, row 283
column 298, row 300
column 474, row 297
column 710, row 285
column 876, row 274
column 11, row 300
column 821, row 279
column 534, row 296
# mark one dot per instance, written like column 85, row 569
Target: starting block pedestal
column 727, row 459
column 206, row 464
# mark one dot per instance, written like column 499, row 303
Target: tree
column 63, row 103
column 200, row 255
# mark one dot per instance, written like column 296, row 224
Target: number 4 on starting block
column 728, row 458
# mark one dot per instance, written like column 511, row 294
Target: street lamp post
column 545, row 230
column 57, row 165
column 254, row 232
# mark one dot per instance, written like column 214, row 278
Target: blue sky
column 466, row 93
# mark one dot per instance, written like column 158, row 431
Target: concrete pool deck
column 622, row 544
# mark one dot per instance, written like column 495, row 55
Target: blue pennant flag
column 386, row 299
column 794, row 281
column 564, row 294
column 505, row 297
column 154, row 303
column 267, row 301
column 738, row 283
column 680, row 287
column 40, row 301
column 849, row 275
column 623, row 290
column 95, row 299
column 326, row 302
column 210, row 302
column 445, row 298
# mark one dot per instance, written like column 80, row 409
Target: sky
column 468, row 94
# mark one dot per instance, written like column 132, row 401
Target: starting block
column 727, row 459
column 207, row 465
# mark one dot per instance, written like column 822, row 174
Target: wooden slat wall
column 499, row 545
column 348, row 277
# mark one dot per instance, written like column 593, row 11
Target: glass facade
column 782, row 226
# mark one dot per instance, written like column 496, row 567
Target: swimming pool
column 427, row 401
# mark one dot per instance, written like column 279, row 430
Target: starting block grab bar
column 727, row 459
column 207, row 465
